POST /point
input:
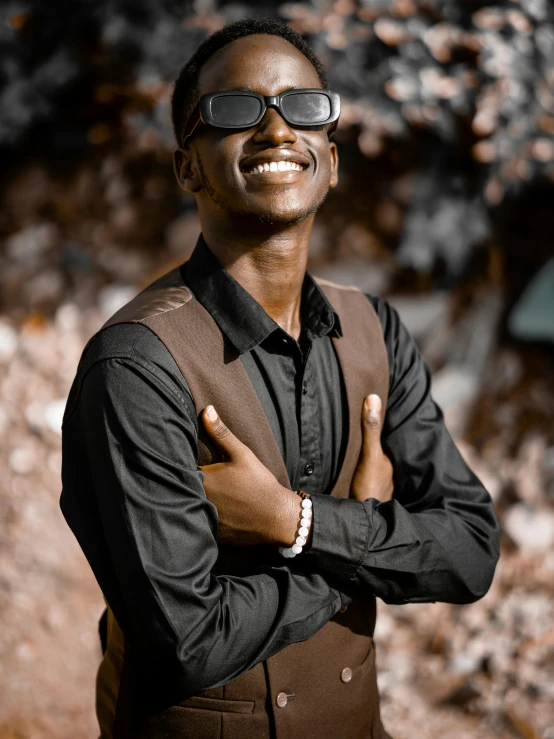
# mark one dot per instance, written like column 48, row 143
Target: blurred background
column 445, row 207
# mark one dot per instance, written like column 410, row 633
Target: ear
column 185, row 170
column 333, row 151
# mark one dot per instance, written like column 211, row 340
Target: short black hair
column 186, row 92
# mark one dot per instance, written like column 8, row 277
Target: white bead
column 301, row 541
column 296, row 549
column 305, row 522
column 289, row 554
column 306, row 503
column 307, row 512
column 303, row 531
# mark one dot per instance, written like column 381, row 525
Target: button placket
column 309, row 439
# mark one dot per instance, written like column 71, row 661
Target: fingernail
column 211, row 413
column 374, row 407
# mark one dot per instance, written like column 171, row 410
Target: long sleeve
column 133, row 495
column 438, row 538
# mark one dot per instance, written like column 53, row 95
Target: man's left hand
column 253, row 507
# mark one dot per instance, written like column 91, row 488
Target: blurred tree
column 449, row 105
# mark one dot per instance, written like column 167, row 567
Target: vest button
column 304, row 388
column 309, row 468
column 282, row 700
column 345, row 675
column 343, row 609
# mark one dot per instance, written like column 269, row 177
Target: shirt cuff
column 340, row 535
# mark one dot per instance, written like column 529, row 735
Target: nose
column 274, row 129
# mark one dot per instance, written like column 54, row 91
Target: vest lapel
column 225, row 385
column 363, row 360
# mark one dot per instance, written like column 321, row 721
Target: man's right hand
column 373, row 475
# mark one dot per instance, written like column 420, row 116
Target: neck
column 270, row 265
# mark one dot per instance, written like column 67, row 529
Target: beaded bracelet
column 303, row 527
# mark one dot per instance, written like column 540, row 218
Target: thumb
column 371, row 424
column 224, row 439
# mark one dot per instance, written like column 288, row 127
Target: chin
column 277, row 214
column 281, row 218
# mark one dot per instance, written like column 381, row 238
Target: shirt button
column 282, row 699
column 304, row 388
column 345, row 676
column 309, row 468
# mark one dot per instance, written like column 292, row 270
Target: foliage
column 450, row 103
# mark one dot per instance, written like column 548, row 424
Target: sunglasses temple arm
column 333, row 127
column 192, row 131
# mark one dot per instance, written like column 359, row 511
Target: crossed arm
column 155, row 545
column 436, row 539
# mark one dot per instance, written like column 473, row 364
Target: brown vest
column 323, row 699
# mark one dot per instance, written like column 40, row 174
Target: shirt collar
column 241, row 318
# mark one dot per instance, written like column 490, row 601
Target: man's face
column 221, row 161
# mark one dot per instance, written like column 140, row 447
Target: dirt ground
column 483, row 670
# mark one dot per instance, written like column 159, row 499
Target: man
column 188, row 514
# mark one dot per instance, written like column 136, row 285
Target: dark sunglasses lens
column 235, row 110
column 306, row 108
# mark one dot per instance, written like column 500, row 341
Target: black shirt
column 133, row 493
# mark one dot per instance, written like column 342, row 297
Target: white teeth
column 280, row 166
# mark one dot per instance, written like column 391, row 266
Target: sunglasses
column 243, row 109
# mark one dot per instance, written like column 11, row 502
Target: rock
column 44, row 289
column 123, row 265
column 532, row 529
column 67, row 317
column 464, row 664
column 22, row 460
column 422, row 313
column 8, row 341
column 528, row 476
column 454, row 389
column 53, row 414
column 114, row 297
column 27, row 245
column 4, row 421
column 370, row 277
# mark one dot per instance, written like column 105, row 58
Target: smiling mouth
column 279, row 166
